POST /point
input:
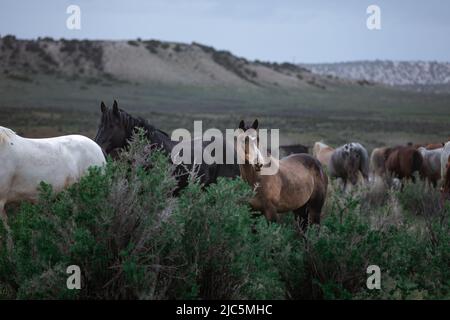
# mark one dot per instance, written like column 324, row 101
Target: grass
column 373, row 115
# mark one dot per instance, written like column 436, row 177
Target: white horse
column 431, row 165
column 25, row 163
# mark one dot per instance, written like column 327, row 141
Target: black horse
column 117, row 126
column 295, row 148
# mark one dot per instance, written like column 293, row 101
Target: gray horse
column 348, row 161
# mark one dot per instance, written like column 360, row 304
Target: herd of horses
column 299, row 185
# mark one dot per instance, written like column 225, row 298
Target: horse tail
column 365, row 161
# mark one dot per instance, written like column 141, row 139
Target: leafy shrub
column 223, row 258
column 177, row 48
column 352, row 238
column 133, row 240
column 420, row 198
column 133, row 43
column 153, row 45
column 9, row 42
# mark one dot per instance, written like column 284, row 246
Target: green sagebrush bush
column 133, row 240
column 413, row 255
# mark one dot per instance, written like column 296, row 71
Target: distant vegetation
column 238, row 66
column 132, row 239
column 133, row 43
column 431, row 76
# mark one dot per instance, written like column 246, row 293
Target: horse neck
column 248, row 174
column 153, row 135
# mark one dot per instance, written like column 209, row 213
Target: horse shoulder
column 271, row 186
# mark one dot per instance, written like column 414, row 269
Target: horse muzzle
column 258, row 167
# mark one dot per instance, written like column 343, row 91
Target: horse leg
column 301, row 217
column 270, row 212
column 314, row 214
column 434, row 181
column 315, row 204
column 4, row 219
column 3, row 215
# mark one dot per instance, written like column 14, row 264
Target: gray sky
column 283, row 30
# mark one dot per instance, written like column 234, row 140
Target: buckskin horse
column 117, row 127
column 299, row 184
column 378, row 162
column 322, row 152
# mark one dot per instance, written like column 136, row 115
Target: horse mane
column 163, row 132
column 131, row 122
column 6, row 134
column 153, row 134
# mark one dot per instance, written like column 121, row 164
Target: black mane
column 130, row 123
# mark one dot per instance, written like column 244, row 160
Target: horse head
column 113, row 132
column 247, row 145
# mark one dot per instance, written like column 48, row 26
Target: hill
column 418, row 75
column 149, row 61
column 51, row 87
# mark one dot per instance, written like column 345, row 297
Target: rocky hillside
column 419, row 74
column 149, row 61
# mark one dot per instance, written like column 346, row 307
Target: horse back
column 403, row 161
column 323, row 153
column 304, row 163
column 58, row 161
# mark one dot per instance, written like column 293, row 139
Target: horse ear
column 115, row 108
column 255, row 124
column 102, row 107
column 242, row 125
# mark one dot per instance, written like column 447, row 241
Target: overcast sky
column 277, row 30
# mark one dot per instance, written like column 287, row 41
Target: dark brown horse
column 428, row 146
column 434, row 146
column 402, row 162
column 295, row 148
column 299, row 184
